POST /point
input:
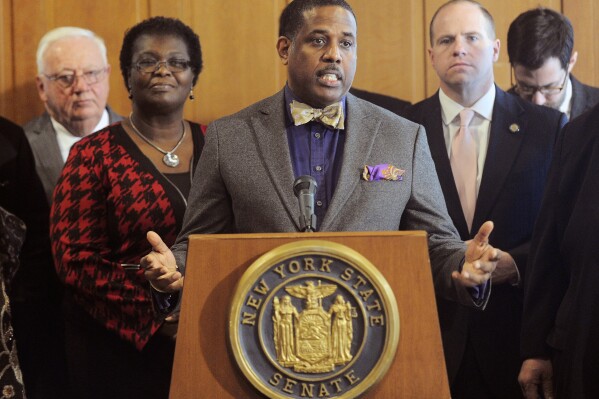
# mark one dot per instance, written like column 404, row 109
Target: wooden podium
column 204, row 366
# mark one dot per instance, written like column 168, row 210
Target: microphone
column 304, row 189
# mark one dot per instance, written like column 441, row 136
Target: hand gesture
column 481, row 259
column 160, row 267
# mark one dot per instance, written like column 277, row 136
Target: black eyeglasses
column 174, row 65
column 529, row 91
column 66, row 80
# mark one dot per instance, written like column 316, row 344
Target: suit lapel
column 433, row 123
column 271, row 137
column 113, row 116
column 47, row 150
column 504, row 146
column 360, row 136
column 579, row 103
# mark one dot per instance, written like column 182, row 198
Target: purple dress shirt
column 316, row 150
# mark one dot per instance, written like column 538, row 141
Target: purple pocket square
column 382, row 171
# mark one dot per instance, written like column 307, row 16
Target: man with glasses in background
column 540, row 47
column 73, row 83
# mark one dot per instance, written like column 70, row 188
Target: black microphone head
column 304, row 182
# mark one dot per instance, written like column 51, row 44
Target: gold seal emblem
column 323, row 338
column 313, row 319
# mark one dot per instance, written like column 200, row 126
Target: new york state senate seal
column 313, row 319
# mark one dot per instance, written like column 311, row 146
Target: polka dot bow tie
column 331, row 115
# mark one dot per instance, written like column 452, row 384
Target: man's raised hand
column 160, row 266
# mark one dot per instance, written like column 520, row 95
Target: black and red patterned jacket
column 108, row 197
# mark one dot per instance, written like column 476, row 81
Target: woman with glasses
column 121, row 182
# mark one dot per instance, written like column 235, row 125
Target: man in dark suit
column 271, row 141
column 540, row 45
column 512, row 143
column 393, row 104
column 35, row 291
column 73, row 83
column 560, row 324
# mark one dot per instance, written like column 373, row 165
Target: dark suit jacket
column 561, row 296
column 393, row 104
column 22, row 194
column 583, row 97
column 244, row 184
column 48, row 161
column 510, row 195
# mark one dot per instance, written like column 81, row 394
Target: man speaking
column 373, row 169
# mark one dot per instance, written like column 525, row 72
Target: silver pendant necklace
column 169, row 159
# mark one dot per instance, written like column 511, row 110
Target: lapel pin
column 514, row 128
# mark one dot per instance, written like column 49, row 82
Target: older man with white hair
column 73, row 83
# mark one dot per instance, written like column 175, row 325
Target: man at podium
column 373, row 168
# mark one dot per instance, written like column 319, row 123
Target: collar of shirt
column 566, row 105
column 482, row 108
column 66, row 139
column 480, row 125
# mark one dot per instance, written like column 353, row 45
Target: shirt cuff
column 479, row 292
column 519, row 279
column 164, row 302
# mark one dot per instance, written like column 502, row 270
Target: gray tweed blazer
column 244, row 184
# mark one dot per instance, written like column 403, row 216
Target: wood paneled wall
column 238, row 42
column 584, row 15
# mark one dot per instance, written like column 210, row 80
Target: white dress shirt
column 480, row 126
column 66, row 139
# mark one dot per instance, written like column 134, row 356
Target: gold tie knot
column 331, row 115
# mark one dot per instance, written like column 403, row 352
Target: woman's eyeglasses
column 174, row 65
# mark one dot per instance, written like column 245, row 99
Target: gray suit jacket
column 244, row 184
column 48, row 161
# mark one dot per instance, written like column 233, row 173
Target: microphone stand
column 308, row 223
column 304, row 189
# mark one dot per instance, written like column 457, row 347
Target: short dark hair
column 484, row 11
column 292, row 17
column 537, row 35
column 161, row 26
